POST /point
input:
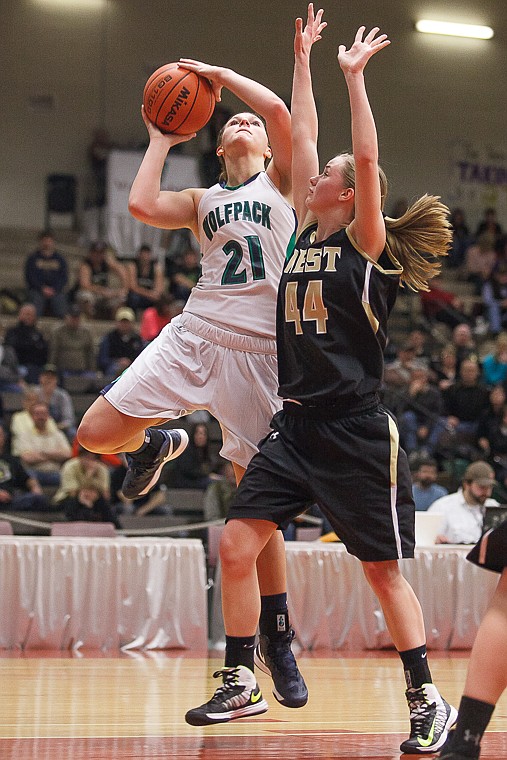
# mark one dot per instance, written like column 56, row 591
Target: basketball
column 178, row 100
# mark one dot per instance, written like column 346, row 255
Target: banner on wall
column 479, row 180
column 124, row 233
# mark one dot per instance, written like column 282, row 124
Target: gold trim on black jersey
column 398, row 271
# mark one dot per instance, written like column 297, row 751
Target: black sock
column 415, row 664
column 153, row 440
column 239, row 650
column 274, row 619
column 473, row 719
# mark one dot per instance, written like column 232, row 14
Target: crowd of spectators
column 445, row 380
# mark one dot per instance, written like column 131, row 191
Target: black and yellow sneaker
column 238, row 697
column 275, row 657
column 144, row 470
column 430, row 720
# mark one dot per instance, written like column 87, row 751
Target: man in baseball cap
column 463, row 512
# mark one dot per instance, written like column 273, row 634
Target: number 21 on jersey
column 313, row 306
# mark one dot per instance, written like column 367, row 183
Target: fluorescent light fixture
column 454, row 30
column 74, row 4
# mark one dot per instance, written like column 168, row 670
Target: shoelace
column 230, row 676
column 421, row 712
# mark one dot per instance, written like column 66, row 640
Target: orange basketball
column 178, row 100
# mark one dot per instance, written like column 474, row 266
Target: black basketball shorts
column 352, row 467
column 490, row 551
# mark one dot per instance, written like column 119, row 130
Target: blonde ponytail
column 418, row 239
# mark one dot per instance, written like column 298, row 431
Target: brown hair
column 418, row 238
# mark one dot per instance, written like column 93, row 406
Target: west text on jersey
column 313, row 260
column 246, row 211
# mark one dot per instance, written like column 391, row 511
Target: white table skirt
column 102, row 593
column 332, row 607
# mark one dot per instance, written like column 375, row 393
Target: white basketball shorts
column 195, row 365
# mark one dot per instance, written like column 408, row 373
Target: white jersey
column 245, row 235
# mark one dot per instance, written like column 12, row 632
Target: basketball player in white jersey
column 220, row 353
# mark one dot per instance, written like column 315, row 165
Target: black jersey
column 333, row 306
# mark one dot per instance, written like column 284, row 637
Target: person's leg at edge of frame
column 486, row 680
column 106, row 430
column 430, row 715
column 273, row 653
column 239, row 695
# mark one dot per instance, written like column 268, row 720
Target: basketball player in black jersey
column 487, row 670
column 333, row 443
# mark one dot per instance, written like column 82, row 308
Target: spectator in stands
column 59, row 401
column 184, row 273
column 420, row 338
column 220, row 492
column 193, row 468
column 18, row 490
column 11, row 380
column 399, row 372
column 29, row 343
column 497, row 447
column 460, row 238
column 425, row 488
column 145, row 280
column 444, row 368
column 22, row 421
column 154, row 318
column 466, row 400
column 441, row 305
column 480, row 260
column 463, row 511
column 71, row 347
column 97, row 294
column 494, row 296
column 490, row 419
column 489, row 223
column 464, row 344
column 97, row 154
column 420, row 416
column 119, row 347
column 46, row 277
column 494, row 364
column 84, row 492
column 42, row 449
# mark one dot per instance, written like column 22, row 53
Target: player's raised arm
column 263, row 101
column 303, row 111
column 150, row 204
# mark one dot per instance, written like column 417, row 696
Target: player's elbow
column 140, row 209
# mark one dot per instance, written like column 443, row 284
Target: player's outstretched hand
column 304, row 38
column 355, row 59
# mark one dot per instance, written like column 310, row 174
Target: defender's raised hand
column 304, row 38
column 354, row 60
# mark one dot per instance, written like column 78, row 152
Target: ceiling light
column 454, row 30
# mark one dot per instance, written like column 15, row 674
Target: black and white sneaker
column 430, row 720
column 238, row 697
column 144, row 471
column 277, row 660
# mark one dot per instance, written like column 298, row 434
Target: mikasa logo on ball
column 180, row 100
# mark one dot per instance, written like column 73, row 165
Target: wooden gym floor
column 94, row 706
